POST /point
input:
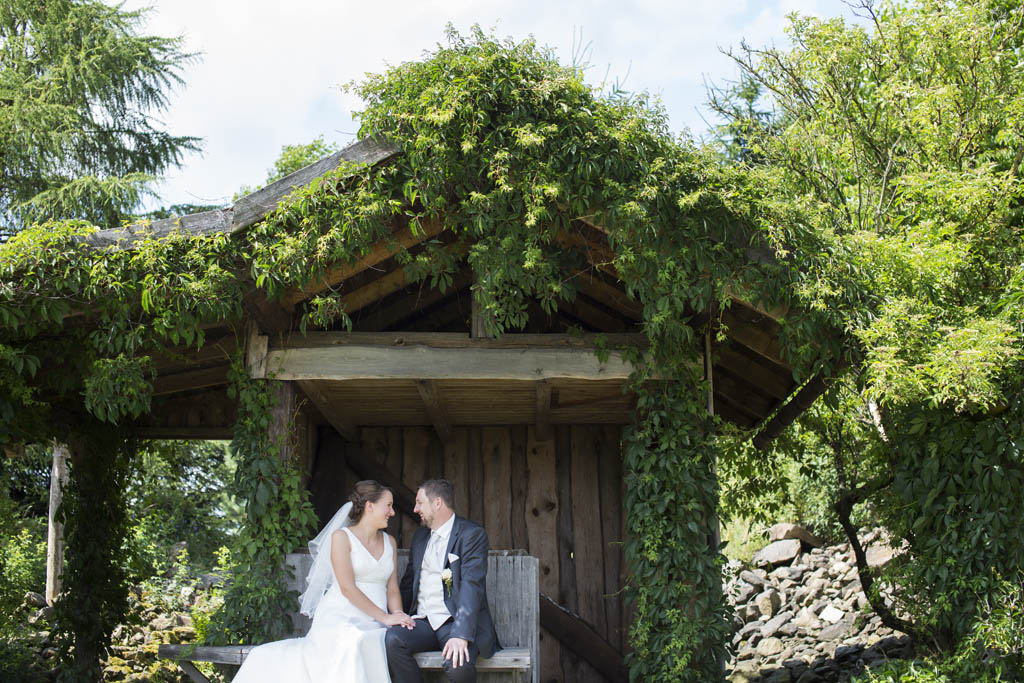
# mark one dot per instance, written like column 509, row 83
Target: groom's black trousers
column 402, row 644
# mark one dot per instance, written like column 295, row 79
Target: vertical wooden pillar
column 282, row 417
column 55, row 530
column 715, row 535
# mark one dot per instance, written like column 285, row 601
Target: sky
column 267, row 73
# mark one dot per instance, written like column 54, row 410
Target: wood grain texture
column 542, row 534
column 520, row 538
column 190, row 380
column 586, row 514
column 414, row 467
column 456, row 469
column 497, row 461
column 435, row 406
column 379, row 252
column 475, row 462
column 567, row 596
column 394, row 463
column 192, row 225
column 609, row 454
column 422, row 362
column 254, row 206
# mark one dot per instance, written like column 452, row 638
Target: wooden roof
column 751, row 378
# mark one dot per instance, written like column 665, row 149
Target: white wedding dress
column 343, row 643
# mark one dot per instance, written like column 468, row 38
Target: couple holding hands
column 360, row 632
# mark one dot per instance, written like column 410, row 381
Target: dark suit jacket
column 467, row 600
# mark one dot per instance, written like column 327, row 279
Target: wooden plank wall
column 560, row 499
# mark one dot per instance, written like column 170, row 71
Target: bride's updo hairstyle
column 367, row 491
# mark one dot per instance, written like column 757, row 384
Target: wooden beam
column 380, row 251
column 423, row 362
column 580, row 637
column 598, row 289
column 544, row 432
column 738, row 365
column 271, row 317
column 378, row 289
column 192, row 225
column 460, row 340
column 191, row 380
column 436, row 409
column 185, row 357
column 800, row 402
column 254, row 206
column 334, row 418
column 250, row 208
column 755, row 338
column 411, row 305
column 54, row 529
column 183, row 432
column 584, row 309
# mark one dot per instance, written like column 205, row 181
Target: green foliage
column 22, row 561
column 892, row 178
column 992, row 653
column 679, row 627
column 78, row 89
column 956, row 498
column 95, row 595
column 279, row 517
column 179, row 491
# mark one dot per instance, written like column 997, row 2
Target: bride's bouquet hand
column 399, row 619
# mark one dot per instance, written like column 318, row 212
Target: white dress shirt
column 430, row 602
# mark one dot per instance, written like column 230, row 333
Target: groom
column 444, row 588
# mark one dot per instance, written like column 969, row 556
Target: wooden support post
column 544, row 432
column 256, row 351
column 715, row 535
column 55, row 530
column 282, row 417
column 436, row 409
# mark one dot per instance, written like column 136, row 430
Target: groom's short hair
column 440, row 488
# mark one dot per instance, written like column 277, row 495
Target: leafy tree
column 78, row 90
column 292, row 158
column 893, row 188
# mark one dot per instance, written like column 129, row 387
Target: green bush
column 22, row 560
column 994, row 653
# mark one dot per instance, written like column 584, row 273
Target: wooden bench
column 512, row 595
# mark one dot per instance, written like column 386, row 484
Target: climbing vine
column 513, row 155
column 279, row 518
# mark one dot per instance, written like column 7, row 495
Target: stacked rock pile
column 800, row 613
column 133, row 653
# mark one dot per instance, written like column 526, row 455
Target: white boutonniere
column 446, row 578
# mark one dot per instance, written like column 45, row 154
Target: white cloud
column 269, row 70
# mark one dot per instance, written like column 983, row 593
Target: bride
column 351, row 593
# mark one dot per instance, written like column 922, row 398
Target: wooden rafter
column 381, row 251
column 755, row 337
column 330, row 413
column 190, row 380
column 436, row 409
column 598, row 288
column 411, row 304
column 740, row 366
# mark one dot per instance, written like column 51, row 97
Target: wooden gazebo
column 526, row 425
